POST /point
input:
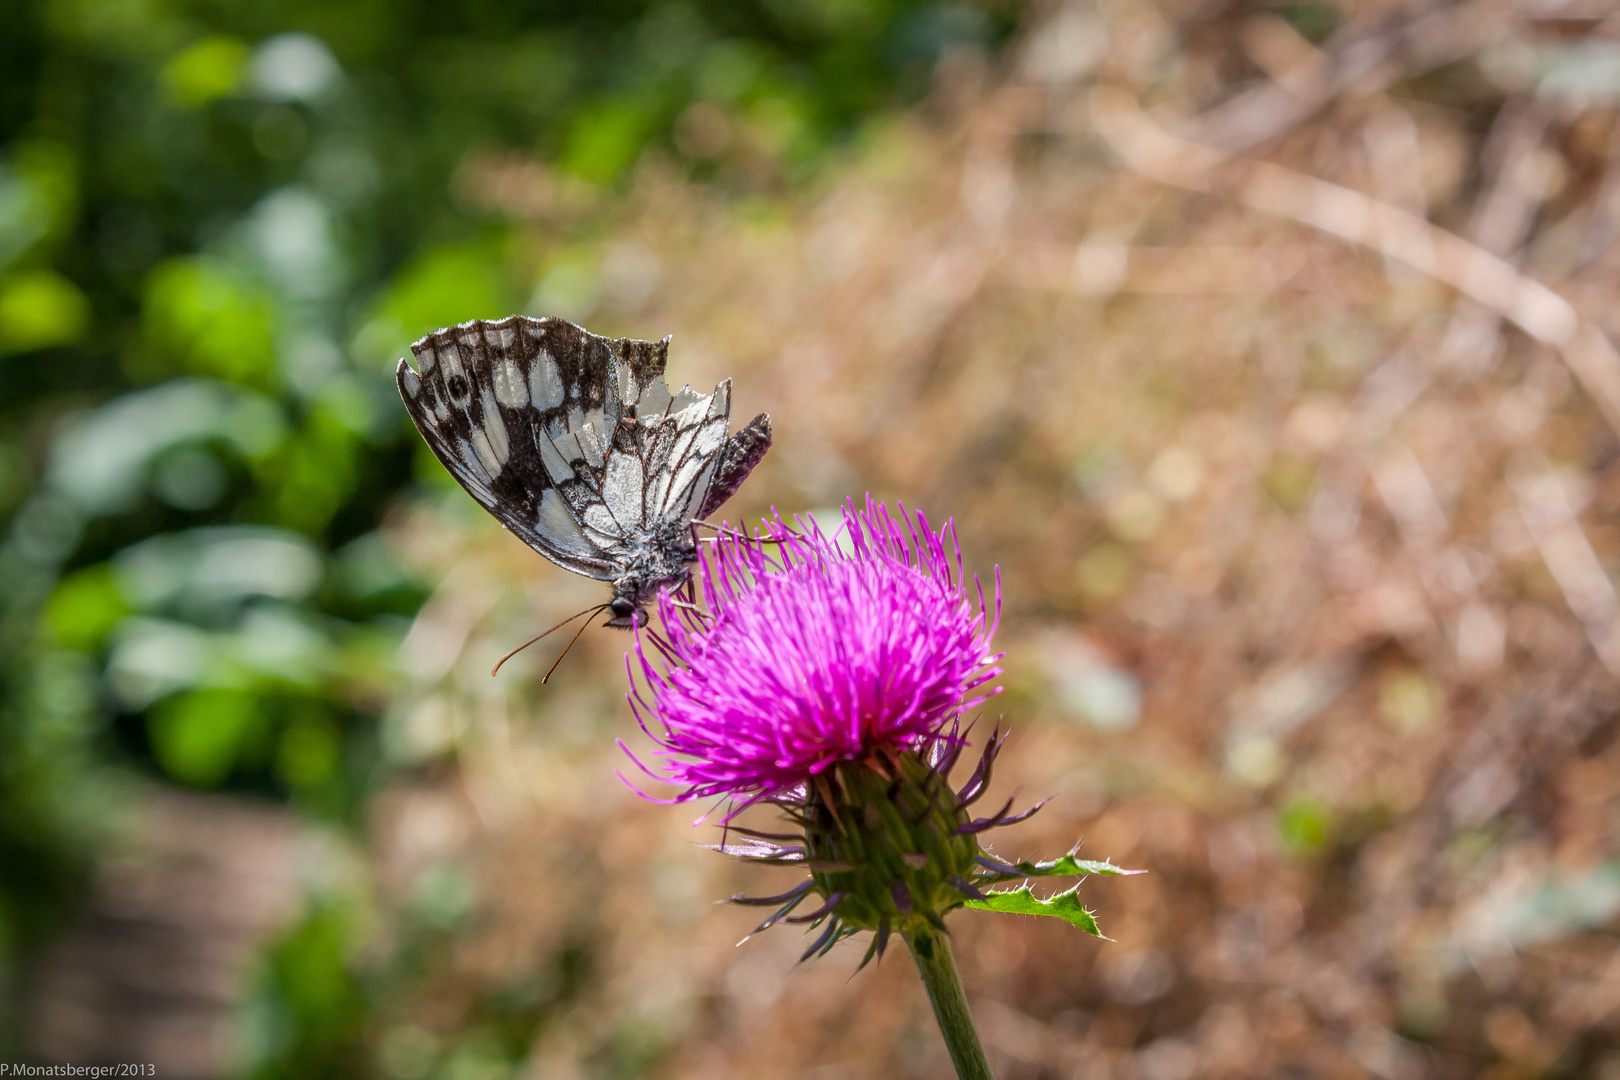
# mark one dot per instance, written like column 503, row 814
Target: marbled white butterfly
column 575, row 444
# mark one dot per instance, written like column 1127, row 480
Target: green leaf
column 211, row 69
column 85, row 607
column 204, row 316
column 1068, row 866
column 201, row 736
column 1306, row 825
column 607, row 137
column 40, row 309
column 1065, row 906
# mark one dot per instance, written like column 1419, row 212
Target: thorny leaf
column 1068, row 866
column 1065, row 906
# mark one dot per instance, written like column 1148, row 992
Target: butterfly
column 575, row 444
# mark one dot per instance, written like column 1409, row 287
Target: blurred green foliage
column 1305, row 824
column 220, row 222
column 307, row 1015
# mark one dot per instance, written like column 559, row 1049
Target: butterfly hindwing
column 741, row 453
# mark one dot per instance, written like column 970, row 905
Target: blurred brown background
column 1266, row 352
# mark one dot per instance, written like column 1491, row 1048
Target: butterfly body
column 573, row 442
column 653, row 559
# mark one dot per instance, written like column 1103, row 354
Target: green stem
column 938, row 969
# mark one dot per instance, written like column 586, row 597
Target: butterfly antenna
column 582, row 628
column 588, row 611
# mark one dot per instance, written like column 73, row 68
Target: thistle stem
column 932, row 952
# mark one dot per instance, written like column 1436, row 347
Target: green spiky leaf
column 1069, row 866
column 1065, row 906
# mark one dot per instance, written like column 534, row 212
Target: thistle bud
column 888, row 835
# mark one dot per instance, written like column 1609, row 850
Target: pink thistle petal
column 814, row 649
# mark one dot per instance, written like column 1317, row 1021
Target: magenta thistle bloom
column 827, row 675
column 815, row 649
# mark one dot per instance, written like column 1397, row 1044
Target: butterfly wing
column 689, row 463
column 516, row 410
column 572, row 440
column 738, row 457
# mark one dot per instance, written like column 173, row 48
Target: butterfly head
column 626, row 614
column 658, row 559
column 633, row 593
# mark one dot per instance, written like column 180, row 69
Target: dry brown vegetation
column 1274, row 378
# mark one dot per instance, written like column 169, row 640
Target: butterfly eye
column 621, row 607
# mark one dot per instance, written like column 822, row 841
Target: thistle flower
column 812, row 653
column 827, row 675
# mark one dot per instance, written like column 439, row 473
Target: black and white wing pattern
column 576, row 445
